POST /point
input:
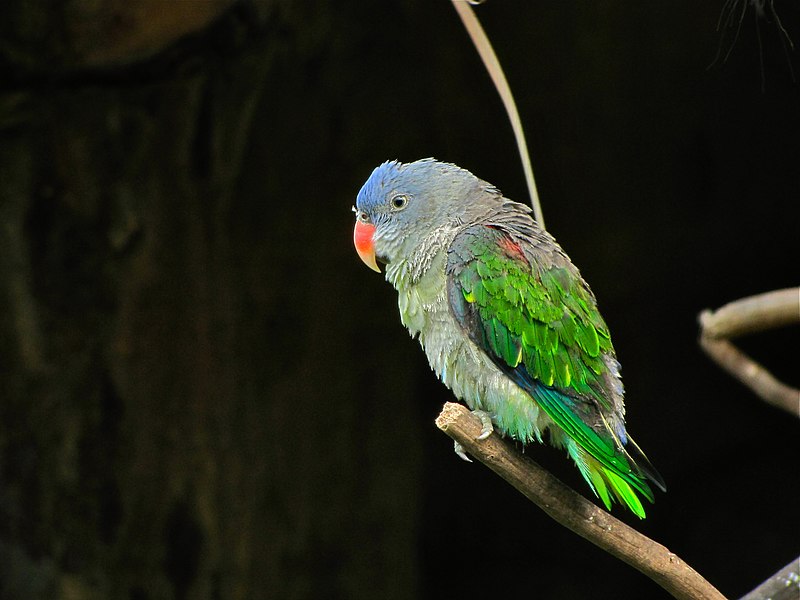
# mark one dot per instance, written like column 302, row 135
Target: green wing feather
column 545, row 319
column 539, row 323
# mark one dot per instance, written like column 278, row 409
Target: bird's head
column 401, row 204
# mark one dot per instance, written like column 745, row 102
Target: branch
column 784, row 585
column 752, row 314
column 573, row 511
column 748, row 315
column 752, row 374
column 489, row 58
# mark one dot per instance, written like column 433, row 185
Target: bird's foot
column 486, row 423
column 486, row 430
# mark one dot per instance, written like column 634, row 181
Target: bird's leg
column 486, row 430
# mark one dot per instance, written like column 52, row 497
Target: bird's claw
column 486, row 423
column 486, row 431
column 461, row 452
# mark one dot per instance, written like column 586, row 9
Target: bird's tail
column 611, row 484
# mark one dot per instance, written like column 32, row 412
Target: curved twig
column 489, row 58
column 748, row 315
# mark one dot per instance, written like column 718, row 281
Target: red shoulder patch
column 511, row 248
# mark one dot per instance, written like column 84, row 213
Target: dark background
column 205, row 394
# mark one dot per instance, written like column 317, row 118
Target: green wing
column 544, row 319
column 538, row 321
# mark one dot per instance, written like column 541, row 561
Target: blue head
column 401, row 204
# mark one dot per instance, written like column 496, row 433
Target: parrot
column 504, row 317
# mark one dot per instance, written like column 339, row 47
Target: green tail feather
column 623, row 492
column 607, row 484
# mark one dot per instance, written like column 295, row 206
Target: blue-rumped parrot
column 505, row 318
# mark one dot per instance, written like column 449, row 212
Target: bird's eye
column 399, row 202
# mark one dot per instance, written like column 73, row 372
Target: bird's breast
column 457, row 361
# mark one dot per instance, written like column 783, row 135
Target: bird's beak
column 362, row 238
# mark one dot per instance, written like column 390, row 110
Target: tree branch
column 752, row 314
column 748, row 315
column 573, row 511
column 784, row 585
column 752, row 374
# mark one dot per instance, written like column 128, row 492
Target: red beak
column 362, row 238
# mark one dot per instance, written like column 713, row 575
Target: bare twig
column 573, row 511
column 489, row 58
column 752, row 374
column 756, row 313
column 784, row 585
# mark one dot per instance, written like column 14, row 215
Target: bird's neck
column 409, row 271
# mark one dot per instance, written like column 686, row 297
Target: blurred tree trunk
column 174, row 422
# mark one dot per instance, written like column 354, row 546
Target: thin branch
column 784, row 585
column 754, row 313
column 752, row 374
column 748, row 315
column 489, row 58
column 573, row 511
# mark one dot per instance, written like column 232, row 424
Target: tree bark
column 167, row 429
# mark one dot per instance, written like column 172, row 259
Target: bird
column 504, row 317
